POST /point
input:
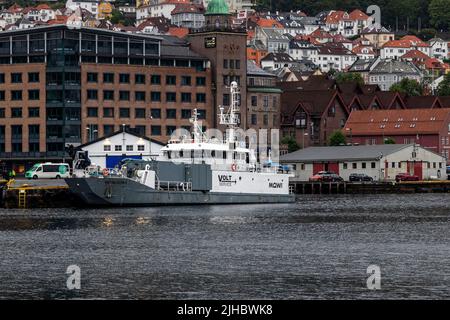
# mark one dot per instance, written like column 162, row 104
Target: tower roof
column 217, row 7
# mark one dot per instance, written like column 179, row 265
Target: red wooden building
column 429, row 128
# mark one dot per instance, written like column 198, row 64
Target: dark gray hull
column 125, row 192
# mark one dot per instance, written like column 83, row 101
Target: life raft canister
column 105, row 172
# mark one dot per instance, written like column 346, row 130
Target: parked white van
column 48, row 170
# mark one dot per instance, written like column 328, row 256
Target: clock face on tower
column 231, row 48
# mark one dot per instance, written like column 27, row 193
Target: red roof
column 397, row 122
column 359, row 50
column 358, row 15
column 178, row 32
column 433, row 63
column 415, row 55
column 335, row 16
column 268, row 23
column 43, row 6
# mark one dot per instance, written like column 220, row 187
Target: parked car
column 325, row 176
column 359, row 177
column 406, row 177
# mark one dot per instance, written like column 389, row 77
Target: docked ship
column 192, row 169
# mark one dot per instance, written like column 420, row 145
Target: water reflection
column 319, row 247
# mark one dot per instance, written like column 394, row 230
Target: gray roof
column 254, row 70
column 342, row 153
column 395, row 66
column 362, row 65
column 274, row 34
column 278, row 57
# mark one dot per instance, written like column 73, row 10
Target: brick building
column 226, row 48
column 63, row 86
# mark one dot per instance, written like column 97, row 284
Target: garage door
column 112, row 161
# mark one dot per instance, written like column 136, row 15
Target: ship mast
column 231, row 117
column 197, row 132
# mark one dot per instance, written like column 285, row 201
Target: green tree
column 389, row 141
column 408, row 86
column 439, row 11
column 337, row 138
column 443, row 88
column 348, row 77
column 291, row 143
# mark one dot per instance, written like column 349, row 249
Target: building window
column 108, row 95
column 155, row 130
column 185, row 80
column 155, row 113
column 124, row 78
column 92, row 77
column 33, row 112
column 254, row 101
column 139, row 130
column 16, row 95
column 139, row 96
column 2, row 78
column 108, row 129
column 108, row 78
column 33, row 94
column 363, row 165
column 373, row 165
column 141, row 147
column 92, row 94
column 226, row 99
column 201, row 114
column 354, row 165
column 107, row 147
column 139, row 113
column 16, row 78
column 33, row 147
column 130, row 147
column 393, row 164
column 124, row 112
column 185, row 97
column 344, row 166
column 200, row 97
column 266, row 120
column 185, row 113
column 33, row 76
column 124, row 95
column 155, row 79
column 155, row 96
column 225, row 63
column 16, row 112
column 171, row 113
column 108, row 112
column 171, row 80
column 139, row 78
column 200, row 81
column 92, row 112
column 117, row 148
column 170, row 130
column 16, row 147
column 171, row 96
column 254, row 119
column 2, row 95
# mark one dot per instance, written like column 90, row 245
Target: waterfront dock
column 43, row 193
column 344, row 187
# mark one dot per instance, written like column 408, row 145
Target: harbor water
column 318, row 248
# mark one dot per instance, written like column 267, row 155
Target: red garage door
column 418, row 169
column 318, row 167
column 334, row 167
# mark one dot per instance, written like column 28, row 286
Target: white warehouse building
column 381, row 162
column 107, row 151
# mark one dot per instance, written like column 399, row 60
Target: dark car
column 406, row 177
column 325, row 176
column 359, row 177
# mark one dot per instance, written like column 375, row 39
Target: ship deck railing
column 173, row 185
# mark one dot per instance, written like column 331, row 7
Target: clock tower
column 226, row 47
